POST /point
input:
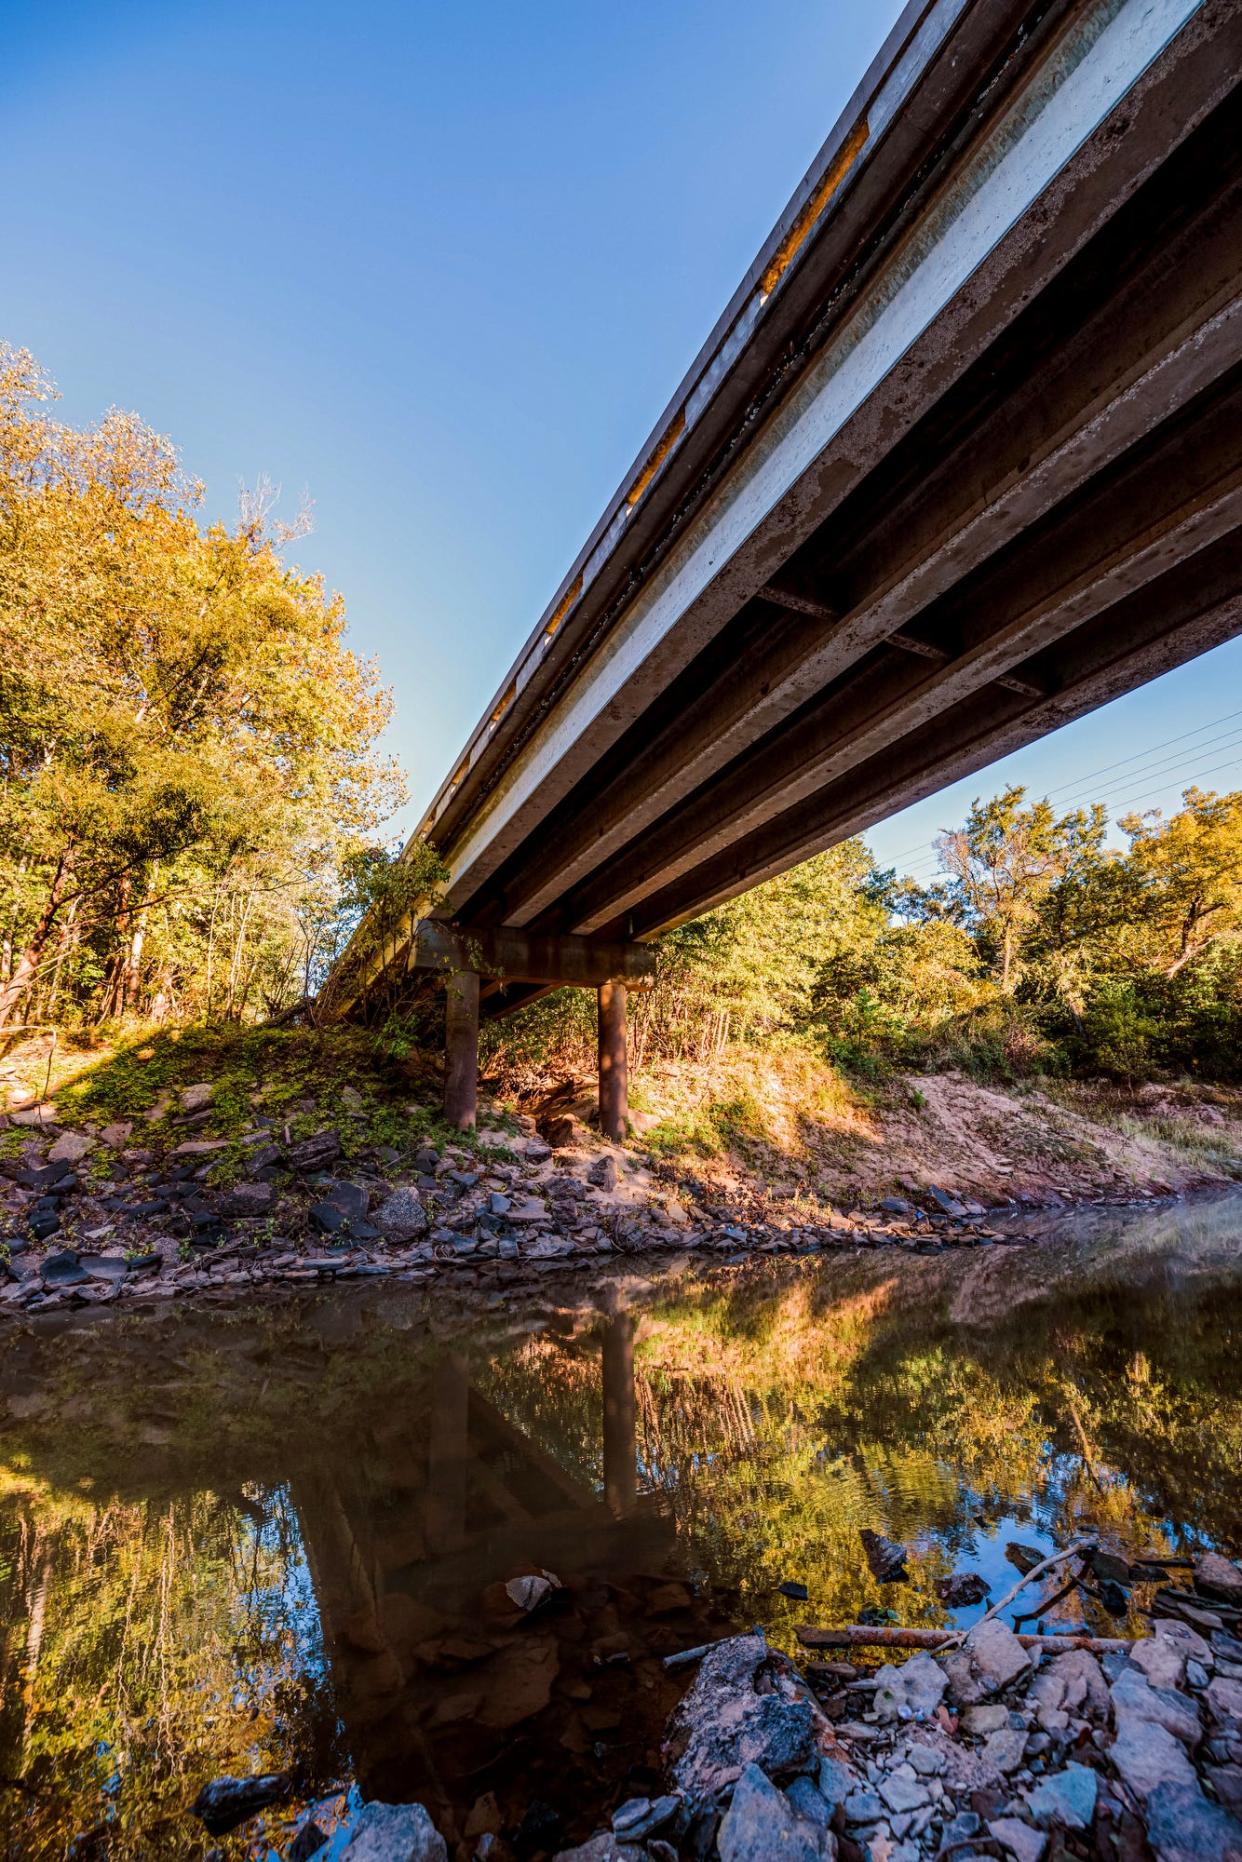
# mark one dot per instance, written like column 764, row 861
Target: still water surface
column 246, row 1538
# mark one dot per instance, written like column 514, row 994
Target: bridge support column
column 461, row 1049
column 613, row 1064
column 620, row 1433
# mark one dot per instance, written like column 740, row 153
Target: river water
column 242, row 1538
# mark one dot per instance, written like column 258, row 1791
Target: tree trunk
column 13, row 992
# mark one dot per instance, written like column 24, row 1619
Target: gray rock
column 1019, row 1838
column 311, row 1154
column 395, row 1833
column 980, row 1721
column 1145, row 1756
column 918, row 1685
column 1184, row 1826
column 1161, row 1660
column 836, row 1781
column 71, row 1147
column 1133, row 1695
column 106, row 1267
column 863, row 1807
column 1188, row 1640
column 1066, row 1799
column 996, row 1656
column 1078, row 1682
column 902, row 1794
column 401, row 1215
column 196, row 1098
column 1005, row 1748
column 63, row 1269
column 724, row 1723
column 603, row 1174
column 808, row 1802
column 1224, row 1699
column 642, row 1816
column 760, row 1823
column 247, row 1199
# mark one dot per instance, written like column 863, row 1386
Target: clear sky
column 441, row 267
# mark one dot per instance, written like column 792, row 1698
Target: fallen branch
column 1036, row 1571
column 861, row 1636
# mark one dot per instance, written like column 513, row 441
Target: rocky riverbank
column 161, row 1208
column 997, row 1745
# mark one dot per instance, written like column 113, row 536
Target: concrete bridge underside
column 961, row 461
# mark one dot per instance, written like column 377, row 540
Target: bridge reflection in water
column 467, row 1501
column 237, row 1539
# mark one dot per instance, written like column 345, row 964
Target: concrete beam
column 862, row 718
column 528, row 957
column 1123, row 649
column 963, row 276
column 1135, row 364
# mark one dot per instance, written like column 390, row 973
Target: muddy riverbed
column 287, row 1534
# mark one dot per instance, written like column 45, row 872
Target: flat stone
column 1005, row 1748
column 401, row 1215
column 1183, row 1637
column 863, row 1807
column 200, row 1147
column 1215, row 1576
column 1146, row 1756
column 62, row 1270
column 108, row 1267
column 1224, row 1699
column 395, row 1833
column 316, row 1153
column 760, row 1823
column 642, row 1816
column 70, row 1148
column 980, row 1721
column 1161, row 1660
column 1132, row 1693
column 1185, row 1826
column 198, row 1097
column 902, row 1794
column 1019, row 1838
column 1066, row 1799
column 327, row 1218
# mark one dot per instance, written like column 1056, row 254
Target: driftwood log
column 861, row 1636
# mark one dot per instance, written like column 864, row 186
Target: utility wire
column 929, row 865
column 1137, row 757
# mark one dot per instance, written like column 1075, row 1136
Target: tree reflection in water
column 247, row 1539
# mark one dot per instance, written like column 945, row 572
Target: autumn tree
column 180, row 710
column 1004, row 862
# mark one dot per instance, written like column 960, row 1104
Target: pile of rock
column 90, row 1217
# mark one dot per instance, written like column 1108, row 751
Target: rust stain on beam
column 668, row 439
column 803, row 225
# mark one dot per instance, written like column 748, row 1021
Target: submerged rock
column 226, row 1802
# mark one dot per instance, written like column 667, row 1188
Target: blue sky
column 440, row 267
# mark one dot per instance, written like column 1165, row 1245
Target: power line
column 929, row 865
column 1137, row 757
